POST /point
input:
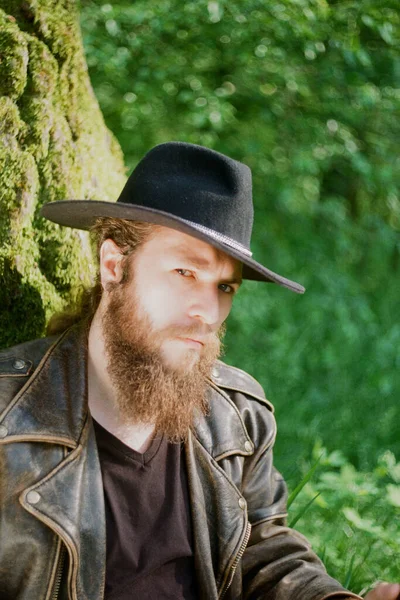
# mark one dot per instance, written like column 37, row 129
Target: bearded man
column 135, row 464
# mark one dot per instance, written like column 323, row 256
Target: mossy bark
column 54, row 145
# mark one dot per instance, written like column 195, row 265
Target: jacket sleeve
column 278, row 563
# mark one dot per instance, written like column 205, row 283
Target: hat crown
column 196, row 184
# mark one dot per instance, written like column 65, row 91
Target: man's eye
column 228, row 289
column 184, row 272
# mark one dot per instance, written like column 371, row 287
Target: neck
column 102, row 395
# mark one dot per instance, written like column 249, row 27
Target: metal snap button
column 19, row 364
column 3, row 431
column 242, row 503
column 215, row 372
column 33, row 497
column 248, row 446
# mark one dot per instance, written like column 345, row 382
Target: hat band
column 220, row 237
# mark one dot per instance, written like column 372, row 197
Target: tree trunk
column 53, row 145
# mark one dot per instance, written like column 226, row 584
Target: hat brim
column 82, row 214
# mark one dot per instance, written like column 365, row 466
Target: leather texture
column 51, row 495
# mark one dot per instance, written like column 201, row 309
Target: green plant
column 352, row 518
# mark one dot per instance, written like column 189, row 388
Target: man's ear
column 111, row 270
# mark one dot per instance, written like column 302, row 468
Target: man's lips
column 192, row 341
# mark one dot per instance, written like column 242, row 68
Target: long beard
column 148, row 390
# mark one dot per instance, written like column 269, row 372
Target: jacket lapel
column 70, row 498
column 70, row 501
column 219, row 517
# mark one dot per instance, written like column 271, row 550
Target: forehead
column 173, row 243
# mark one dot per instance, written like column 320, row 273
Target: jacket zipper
column 57, row 579
column 237, row 559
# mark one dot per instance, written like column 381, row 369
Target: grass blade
column 303, row 482
column 349, row 574
column 303, row 510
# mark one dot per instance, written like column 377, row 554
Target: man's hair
column 129, row 236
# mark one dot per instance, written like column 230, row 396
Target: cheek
column 163, row 304
column 225, row 307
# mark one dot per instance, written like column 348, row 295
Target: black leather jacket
column 52, row 536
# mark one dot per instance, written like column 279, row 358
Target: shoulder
column 22, row 359
column 17, row 364
column 234, row 380
column 246, row 395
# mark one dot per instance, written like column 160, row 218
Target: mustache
column 203, row 333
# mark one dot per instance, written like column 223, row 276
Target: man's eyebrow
column 199, row 263
column 196, row 261
column 237, row 280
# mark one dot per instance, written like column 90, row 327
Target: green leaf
column 393, row 494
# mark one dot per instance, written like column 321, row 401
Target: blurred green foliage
column 307, row 93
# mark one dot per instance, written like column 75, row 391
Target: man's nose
column 205, row 306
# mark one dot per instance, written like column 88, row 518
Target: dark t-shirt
column 149, row 543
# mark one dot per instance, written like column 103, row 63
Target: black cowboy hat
column 189, row 188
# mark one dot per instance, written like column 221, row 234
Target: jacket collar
column 60, row 382
column 222, row 432
column 52, row 405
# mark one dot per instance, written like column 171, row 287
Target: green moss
column 54, row 145
column 57, row 24
column 12, row 127
column 37, row 102
column 18, row 192
column 14, row 58
column 19, row 300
